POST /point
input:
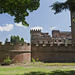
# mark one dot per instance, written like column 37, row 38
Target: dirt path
column 32, row 65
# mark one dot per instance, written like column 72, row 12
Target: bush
column 33, row 60
column 7, row 61
column 37, row 59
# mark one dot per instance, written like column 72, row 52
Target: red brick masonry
column 17, row 53
column 53, row 53
column 45, row 53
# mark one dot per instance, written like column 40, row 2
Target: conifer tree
column 22, row 41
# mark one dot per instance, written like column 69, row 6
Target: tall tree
column 22, row 41
column 19, row 8
column 70, row 5
column 12, row 40
column 59, row 7
column 16, row 39
column 6, row 40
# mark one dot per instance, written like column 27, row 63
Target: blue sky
column 43, row 17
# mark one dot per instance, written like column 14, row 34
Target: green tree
column 12, row 39
column 19, row 9
column 6, row 40
column 22, row 41
column 59, row 7
column 16, row 39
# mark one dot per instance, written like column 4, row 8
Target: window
column 55, row 40
column 43, row 42
column 59, row 40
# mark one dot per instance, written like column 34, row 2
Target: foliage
column 12, row 39
column 16, row 61
column 33, row 60
column 37, row 59
column 19, row 9
column 6, row 40
column 22, row 41
column 16, row 39
column 7, row 61
column 59, row 7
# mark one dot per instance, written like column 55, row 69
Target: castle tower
column 73, row 27
column 34, row 34
column 37, row 37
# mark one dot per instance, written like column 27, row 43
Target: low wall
column 17, row 53
column 47, row 53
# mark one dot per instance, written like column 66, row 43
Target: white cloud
column 37, row 28
column 7, row 27
column 19, row 24
column 53, row 27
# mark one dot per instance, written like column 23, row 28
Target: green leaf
column 25, row 23
column 18, row 9
column 73, row 20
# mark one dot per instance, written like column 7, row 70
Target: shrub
column 7, row 61
column 37, row 59
column 16, row 61
column 33, row 60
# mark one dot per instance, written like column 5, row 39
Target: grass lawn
column 39, row 69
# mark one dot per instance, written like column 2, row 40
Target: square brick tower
column 73, row 27
column 37, row 37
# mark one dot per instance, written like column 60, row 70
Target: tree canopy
column 59, row 6
column 16, row 39
column 19, row 9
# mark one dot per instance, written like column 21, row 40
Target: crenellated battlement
column 17, row 46
column 32, row 31
column 54, row 45
column 54, row 48
column 35, row 30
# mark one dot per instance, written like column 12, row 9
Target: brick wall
column 17, row 53
column 45, row 53
column 53, row 53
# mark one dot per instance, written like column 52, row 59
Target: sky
column 43, row 18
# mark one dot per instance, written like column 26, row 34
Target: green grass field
column 39, row 69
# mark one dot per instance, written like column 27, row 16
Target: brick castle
column 43, row 47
